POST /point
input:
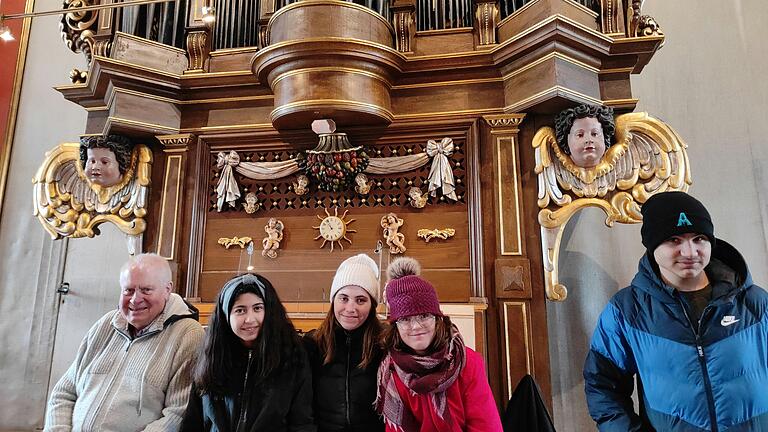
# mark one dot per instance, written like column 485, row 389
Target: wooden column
column 514, row 325
column 171, row 212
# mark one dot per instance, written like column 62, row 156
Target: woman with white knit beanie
column 345, row 352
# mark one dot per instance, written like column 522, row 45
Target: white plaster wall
column 708, row 82
column 31, row 265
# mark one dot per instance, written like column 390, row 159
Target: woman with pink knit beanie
column 429, row 381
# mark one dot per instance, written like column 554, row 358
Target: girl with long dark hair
column 252, row 373
column 429, row 381
column 345, row 351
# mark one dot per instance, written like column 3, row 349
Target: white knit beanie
column 359, row 270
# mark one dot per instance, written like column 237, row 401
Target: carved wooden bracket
column 198, row 48
column 612, row 15
column 403, row 12
column 486, row 19
column 639, row 25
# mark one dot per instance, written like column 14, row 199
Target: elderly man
column 692, row 327
column 133, row 369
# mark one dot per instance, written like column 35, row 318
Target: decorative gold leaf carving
column 646, row 158
column 78, row 30
column 198, row 48
column 429, row 234
column 504, row 120
column 487, row 16
column 234, row 241
column 67, row 204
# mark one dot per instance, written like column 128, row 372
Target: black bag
column 526, row 411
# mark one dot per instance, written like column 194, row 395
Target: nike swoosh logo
column 726, row 321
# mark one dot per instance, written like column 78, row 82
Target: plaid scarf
column 429, row 374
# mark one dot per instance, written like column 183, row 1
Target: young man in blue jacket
column 692, row 329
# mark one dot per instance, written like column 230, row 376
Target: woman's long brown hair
column 325, row 336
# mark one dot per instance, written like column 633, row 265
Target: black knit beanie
column 673, row 213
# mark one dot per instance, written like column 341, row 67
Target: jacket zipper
column 241, row 419
column 346, row 381
column 703, row 364
column 107, row 390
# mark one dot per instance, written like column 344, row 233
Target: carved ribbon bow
column 227, row 189
column 441, row 174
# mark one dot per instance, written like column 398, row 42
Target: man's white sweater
column 123, row 384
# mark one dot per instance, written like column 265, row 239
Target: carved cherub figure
column 301, row 185
column 363, row 185
column 417, row 199
column 105, row 159
column 271, row 242
column 391, row 224
column 585, row 133
column 251, row 203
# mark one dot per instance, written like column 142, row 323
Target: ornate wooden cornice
column 556, row 61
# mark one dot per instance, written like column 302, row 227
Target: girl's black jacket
column 344, row 393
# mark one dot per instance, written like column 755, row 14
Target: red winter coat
column 469, row 400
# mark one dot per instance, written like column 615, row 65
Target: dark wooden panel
column 443, row 42
column 517, row 344
column 454, row 97
column 228, row 61
column 507, row 188
column 541, row 10
column 513, row 278
column 170, row 206
column 299, row 250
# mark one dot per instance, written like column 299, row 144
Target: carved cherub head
column 300, row 186
column 418, row 199
column 389, row 220
column 251, row 203
column 105, row 159
column 584, row 133
column 363, row 185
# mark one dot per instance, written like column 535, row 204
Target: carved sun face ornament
column 334, row 228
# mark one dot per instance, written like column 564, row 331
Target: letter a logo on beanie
column 659, row 213
column 683, row 220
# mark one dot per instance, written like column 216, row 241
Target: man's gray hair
column 147, row 260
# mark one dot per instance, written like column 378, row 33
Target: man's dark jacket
column 715, row 379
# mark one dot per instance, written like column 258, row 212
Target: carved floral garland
column 440, row 174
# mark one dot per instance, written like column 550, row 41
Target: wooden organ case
column 392, row 80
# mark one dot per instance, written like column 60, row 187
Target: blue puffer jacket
column 716, row 380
